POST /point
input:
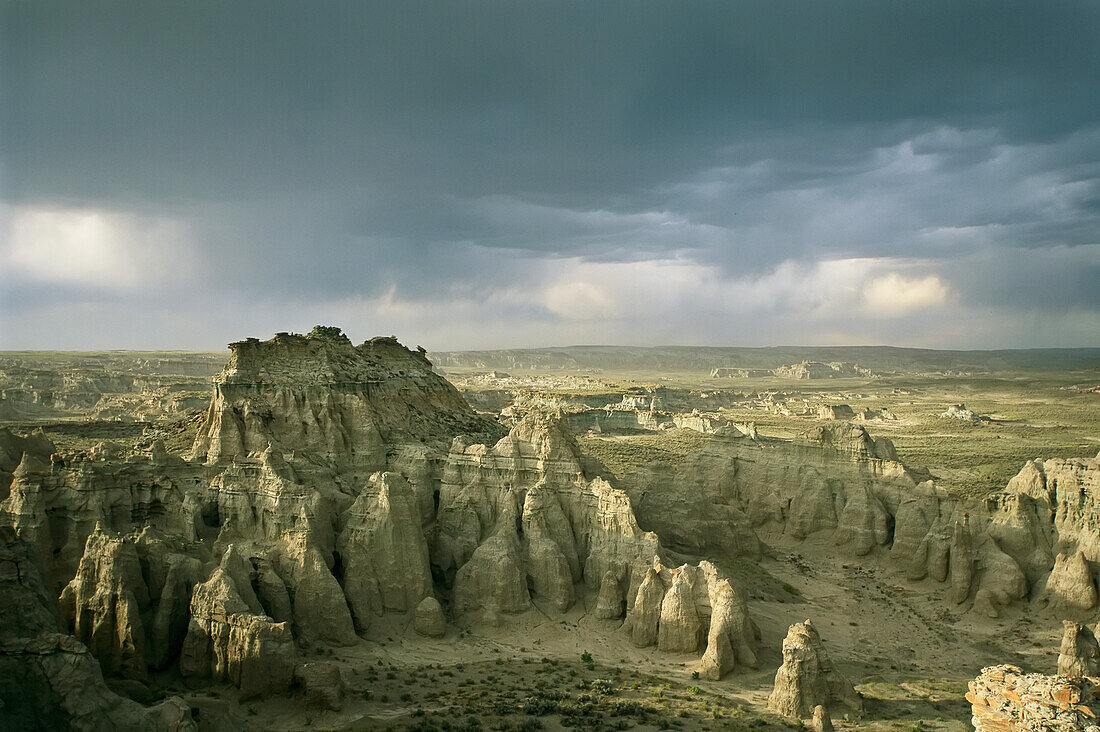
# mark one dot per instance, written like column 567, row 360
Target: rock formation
column 49, row 680
column 322, row 683
column 229, row 639
column 1070, row 586
column 330, row 484
column 526, row 513
column 732, row 633
column 319, row 395
column 645, row 616
column 822, row 722
column 428, row 618
column 493, row 580
column 960, row 412
column 610, row 603
column 678, row 609
column 808, row 678
column 1005, row 698
column 679, row 629
column 320, row 610
column 383, row 549
column 103, row 605
column 12, row 449
column 1080, row 653
column 737, row 492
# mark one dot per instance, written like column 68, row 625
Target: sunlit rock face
column 321, row 396
column 1006, row 698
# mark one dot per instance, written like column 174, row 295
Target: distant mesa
column 804, row 371
column 732, row 372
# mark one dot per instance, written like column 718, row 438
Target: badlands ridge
column 334, row 492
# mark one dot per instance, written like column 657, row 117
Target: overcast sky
column 482, row 174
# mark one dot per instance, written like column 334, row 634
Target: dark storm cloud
column 434, row 151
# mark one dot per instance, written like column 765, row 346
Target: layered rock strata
column 1004, row 699
column 319, row 395
column 850, row 488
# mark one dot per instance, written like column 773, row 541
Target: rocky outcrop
column 645, row 616
column 679, row 629
column 808, row 678
column 319, row 395
column 1070, row 587
column 1005, row 698
column 320, row 610
column 817, row 370
column 835, row 412
column 55, row 506
column 610, row 602
column 12, row 449
column 258, row 498
column 822, row 722
column 49, row 680
column 228, row 638
column 493, row 580
column 172, row 576
column 1067, row 495
column 322, row 684
column 428, row 619
column 732, row 633
column 384, row 553
column 1079, row 654
column 850, row 487
column 961, row 413
column 103, row 604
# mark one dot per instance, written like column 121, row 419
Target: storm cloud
column 470, row 175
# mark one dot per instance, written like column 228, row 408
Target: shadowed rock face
column 230, row 639
column 1080, row 653
column 49, row 680
column 13, row 448
column 808, row 678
